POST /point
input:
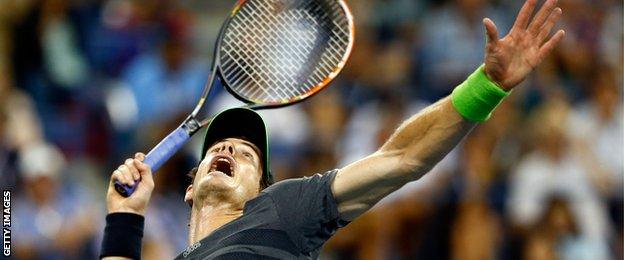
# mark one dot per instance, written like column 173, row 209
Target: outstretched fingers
column 525, row 15
column 550, row 44
column 550, row 23
column 541, row 16
column 491, row 30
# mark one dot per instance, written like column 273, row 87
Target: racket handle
column 158, row 155
column 166, row 148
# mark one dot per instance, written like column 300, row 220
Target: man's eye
column 248, row 155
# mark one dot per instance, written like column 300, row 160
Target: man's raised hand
column 509, row 60
column 129, row 173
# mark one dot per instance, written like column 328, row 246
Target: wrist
column 477, row 97
column 496, row 80
column 126, row 210
column 122, row 235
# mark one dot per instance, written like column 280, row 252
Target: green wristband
column 477, row 97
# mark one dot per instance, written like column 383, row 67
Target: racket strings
column 276, row 51
column 288, row 47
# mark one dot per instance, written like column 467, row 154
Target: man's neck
column 207, row 218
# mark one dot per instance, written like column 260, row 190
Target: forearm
column 425, row 138
column 416, row 146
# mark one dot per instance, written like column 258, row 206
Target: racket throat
column 191, row 125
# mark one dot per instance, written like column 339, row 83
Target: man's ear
column 188, row 196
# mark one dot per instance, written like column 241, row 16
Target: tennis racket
column 269, row 53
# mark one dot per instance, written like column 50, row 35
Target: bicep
column 412, row 150
column 358, row 186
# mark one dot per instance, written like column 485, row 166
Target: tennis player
column 237, row 213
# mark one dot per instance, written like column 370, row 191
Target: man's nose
column 227, row 147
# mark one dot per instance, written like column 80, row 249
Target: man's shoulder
column 296, row 184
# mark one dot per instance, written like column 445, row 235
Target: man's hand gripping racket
column 269, row 53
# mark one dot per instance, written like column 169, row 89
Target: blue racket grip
column 157, row 156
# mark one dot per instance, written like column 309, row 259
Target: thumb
column 490, row 30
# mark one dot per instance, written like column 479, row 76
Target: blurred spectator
column 612, row 35
column 597, row 126
column 53, row 219
column 19, row 127
column 22, row 127
column 553, row 169
column 168, row 75
column 555, row 229
column 477, row 229
column 63, row 61
column 476, row 232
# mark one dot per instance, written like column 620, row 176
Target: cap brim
column 241, row 123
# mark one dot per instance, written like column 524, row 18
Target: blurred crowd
column 86, row 83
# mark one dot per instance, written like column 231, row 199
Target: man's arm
column 424, row 139
column 124, row 222
column 414, row 148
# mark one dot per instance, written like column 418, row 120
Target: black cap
column 240, row 123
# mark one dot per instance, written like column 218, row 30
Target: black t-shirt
column 288, row 220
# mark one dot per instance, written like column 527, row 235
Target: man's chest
column 258, row 231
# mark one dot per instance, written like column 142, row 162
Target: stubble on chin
column 213, row 189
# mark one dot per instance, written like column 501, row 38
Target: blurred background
column 85, row 84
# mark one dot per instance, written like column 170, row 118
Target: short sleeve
column 307, row 209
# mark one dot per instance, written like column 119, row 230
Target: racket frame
column 315, row 89
column 192, row 125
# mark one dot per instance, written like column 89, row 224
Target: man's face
column 231, row 170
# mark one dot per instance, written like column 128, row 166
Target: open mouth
column 223, row 164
